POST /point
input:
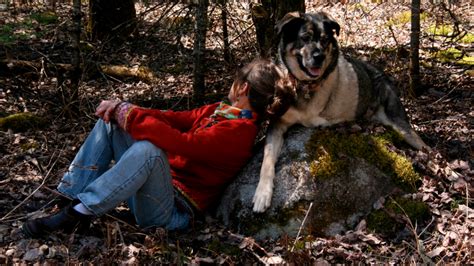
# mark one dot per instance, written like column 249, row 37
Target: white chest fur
column 335, row 100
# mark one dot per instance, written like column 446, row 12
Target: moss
column 404, row 18
column 385, row 220
column 468, row 38
column 46, row 17
column 21, row 122
column 380, row 222
column 454, row 55
column 444, row 30
column 32, row 145
column 13, row 32
column 448, row 31
column 261, row 221
column 6, row 34
column 330, row 151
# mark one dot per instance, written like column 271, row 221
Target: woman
column 168, row 165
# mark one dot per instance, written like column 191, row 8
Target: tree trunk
column 283, row 7
column 72, row 93
column 199, row 49
column 415, row 84
column 264, row 17
column 225, row 34
column 110, row 19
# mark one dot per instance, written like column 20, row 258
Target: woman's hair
column 270, row 93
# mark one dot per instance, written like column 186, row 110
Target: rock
column 340, row 199
column 33, row 254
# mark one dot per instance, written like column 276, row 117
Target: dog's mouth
column 312, row 72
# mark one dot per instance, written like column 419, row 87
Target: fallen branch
column 24, row 65
column 302, row 225
column 139, row 72
column 119, row 71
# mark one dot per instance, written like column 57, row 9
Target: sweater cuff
column 122, row 110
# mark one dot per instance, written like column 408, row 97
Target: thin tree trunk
column 111, row 19
column 264, row 17
column 73, row 96
column 199, row 49
column 225, row 34
column 415, row 84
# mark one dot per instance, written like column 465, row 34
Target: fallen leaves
column 443, row 116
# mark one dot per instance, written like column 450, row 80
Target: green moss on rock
column 330, row 153
column 21, row 122
column 389, row 220
column 264, row 221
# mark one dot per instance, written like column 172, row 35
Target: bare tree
column 225, row 34
column 200, row 29
column 415, row 84
column 264, row 17
column 72, row 93
column 110, row 19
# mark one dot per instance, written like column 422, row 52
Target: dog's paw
column 262, row 198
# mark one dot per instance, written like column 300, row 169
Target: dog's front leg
column 273, row 144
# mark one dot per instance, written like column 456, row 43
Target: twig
column 467, row 225
column 302, row 225
column 393, row 36
column 446, row 95
column 419, row 245
column 249, row 241
column 32, row 193
column 117, row 225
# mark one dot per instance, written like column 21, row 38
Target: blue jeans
column 140, row 176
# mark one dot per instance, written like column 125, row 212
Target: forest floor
column 32, row 161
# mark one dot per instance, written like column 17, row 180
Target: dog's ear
column 331, row 27
column 289, row 19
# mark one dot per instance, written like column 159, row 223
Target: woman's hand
column 106, row 109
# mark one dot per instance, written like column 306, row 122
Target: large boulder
column 340, row 174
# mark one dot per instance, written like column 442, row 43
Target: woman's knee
column 147, row 149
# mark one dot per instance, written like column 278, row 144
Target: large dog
column 329, row 89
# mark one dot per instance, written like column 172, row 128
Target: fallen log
column 10, row 66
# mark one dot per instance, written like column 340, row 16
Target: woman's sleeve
column 181, row 120
column 211, row 144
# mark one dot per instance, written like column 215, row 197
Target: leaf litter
column 443, row 116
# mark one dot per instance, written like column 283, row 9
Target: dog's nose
column 318, row 58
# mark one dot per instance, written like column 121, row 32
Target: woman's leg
column 141, row 176
column 104, row 143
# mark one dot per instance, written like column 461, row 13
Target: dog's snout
column 318, row 57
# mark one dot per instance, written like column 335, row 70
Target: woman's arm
column 211, row 144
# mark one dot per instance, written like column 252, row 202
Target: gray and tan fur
column 330, row 89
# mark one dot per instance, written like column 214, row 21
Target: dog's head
column 308, row 47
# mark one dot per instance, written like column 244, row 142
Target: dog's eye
column 324, row 40
column 306, row 37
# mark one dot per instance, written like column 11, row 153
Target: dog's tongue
column 315, row 71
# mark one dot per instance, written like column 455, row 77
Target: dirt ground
column 33, row 160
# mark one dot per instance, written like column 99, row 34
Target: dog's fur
column 329, row 89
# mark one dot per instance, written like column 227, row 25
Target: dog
column 329, row 88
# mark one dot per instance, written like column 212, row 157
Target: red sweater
column 203, row 157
